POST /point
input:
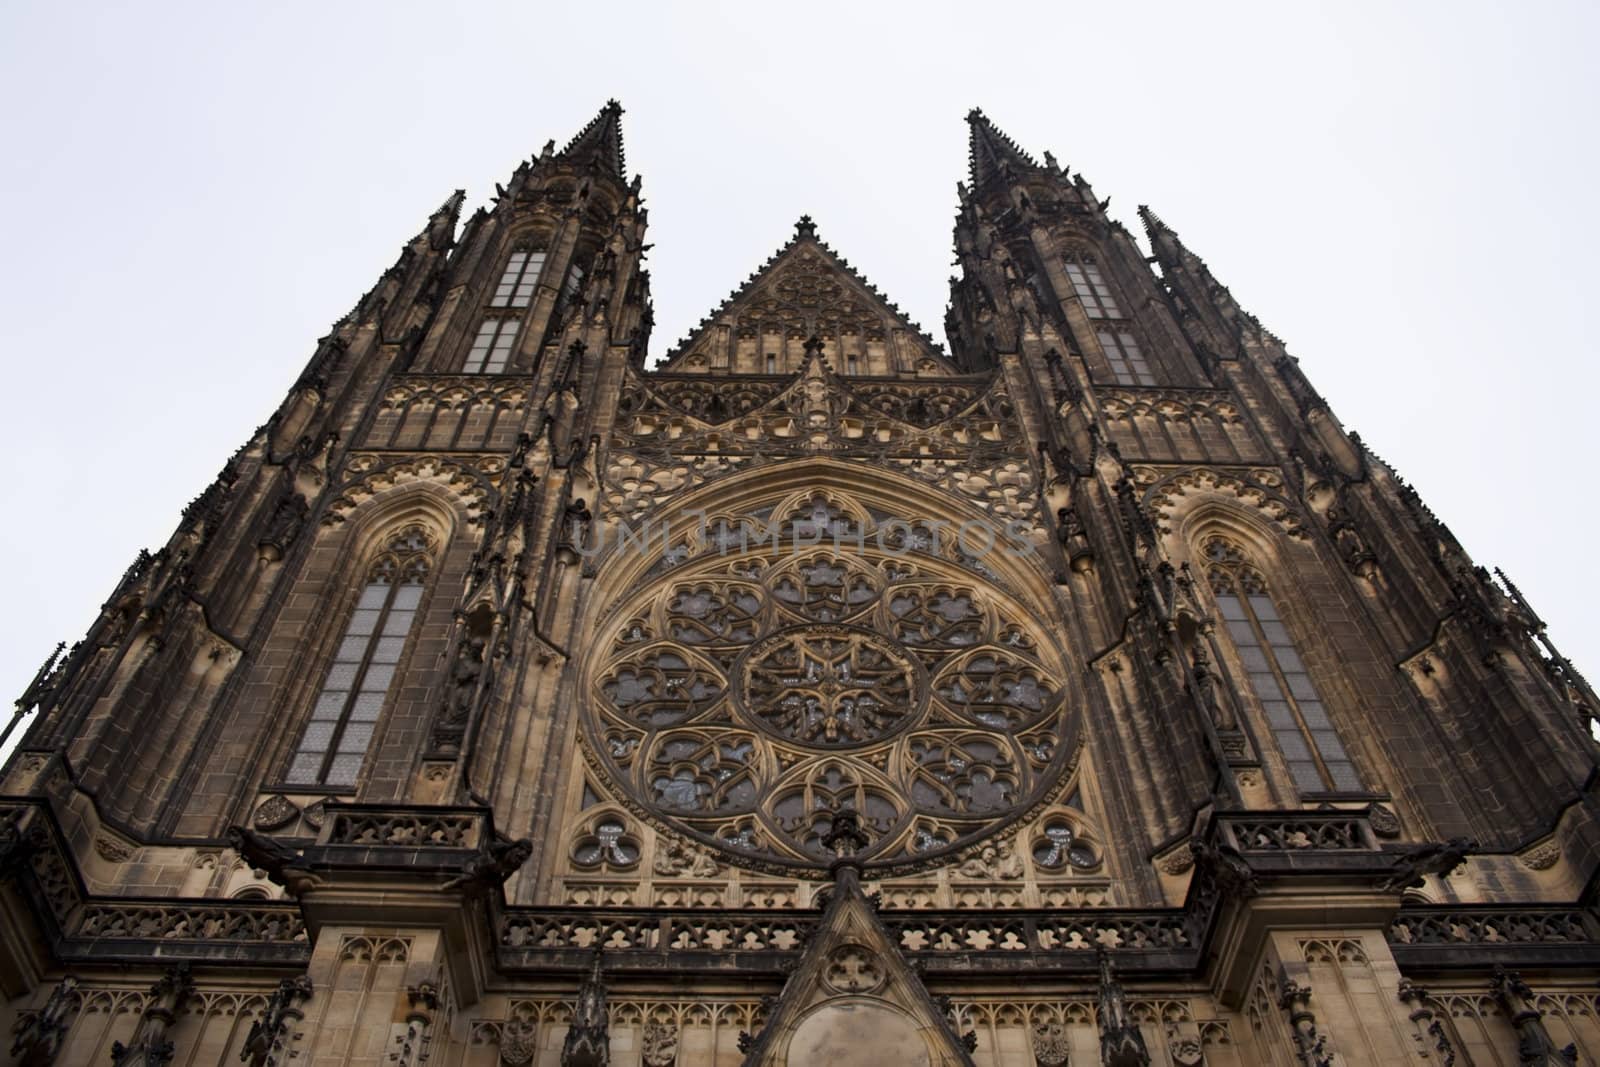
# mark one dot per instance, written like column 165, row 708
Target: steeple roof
column 806, row 288
column 988, row 148
column 601, row 142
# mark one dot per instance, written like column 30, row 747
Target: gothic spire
column 441, row 228
column 600, row 142
column 990, row 151
column 1197, row 290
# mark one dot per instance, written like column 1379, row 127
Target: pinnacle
column 990, row 150
column 1153, row 223
column 452, row 203
column 600, row 141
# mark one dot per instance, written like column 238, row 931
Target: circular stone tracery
column 829, row 686
column 743, row 698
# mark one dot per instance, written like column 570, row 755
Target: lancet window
column 1278, row 678
column 334, row 745
column 1093, row 291
column 1127, row 361
column 491, row 349
column 519, row 279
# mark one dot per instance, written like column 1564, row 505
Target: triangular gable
column 806, row 289
column 852, row 1001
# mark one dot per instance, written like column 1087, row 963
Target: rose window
column 829, row 687
column 746, row 691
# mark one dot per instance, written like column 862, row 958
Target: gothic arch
column 1261, row 570
column 739, row 491
column 422, row 511
column 1171, row 497
column 369, row 476
column 1229, row 517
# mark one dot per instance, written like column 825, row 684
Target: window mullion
column 1271, row 658
column 355, row 684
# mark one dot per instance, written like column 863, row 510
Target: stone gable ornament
column 660, row 1045
column 1121, row 1042
column 274, row 813
column 518, row 1043
column 588, row 1042
column 39, row 1037
column 1051, row 1046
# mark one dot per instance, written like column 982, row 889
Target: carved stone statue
column 1535, row 1046
column 588, row 1042
column 40, row 1037
column 1052, row 1046
column 151, row 1047
column 578, row 520
column 464, row 674
column 660, row 1045
column 268, row 1032
column 288, row 516
column 1121, row 1042
column 1000, row 861
column 1074, row 539
column 676, row 857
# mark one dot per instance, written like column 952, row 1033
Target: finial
column 845, row 837
column 975, row 114
column 813, row 346
column 805, row 228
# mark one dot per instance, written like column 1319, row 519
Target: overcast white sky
column 1404, row 192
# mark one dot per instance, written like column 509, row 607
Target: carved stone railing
column 127, row 929
column 192, row 920
column 530, row 938
column 398, row 826
column 1297, row 831
column 932, row 935
column 1468, row 935
column 530, row 931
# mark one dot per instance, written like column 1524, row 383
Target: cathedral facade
column 1076, row 691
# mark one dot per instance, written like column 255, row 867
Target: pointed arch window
column 571, row 289
column 1295, row 714
column 1127, row 361
column 1093, row 291
column 491, row 349
column 334, row 745
column 517, row 282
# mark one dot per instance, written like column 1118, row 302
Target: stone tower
column 1080, row 691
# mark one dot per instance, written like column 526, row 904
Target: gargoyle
column 281, row 863
column 1227, row 868
column 1440, row 858
column 490, row 869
